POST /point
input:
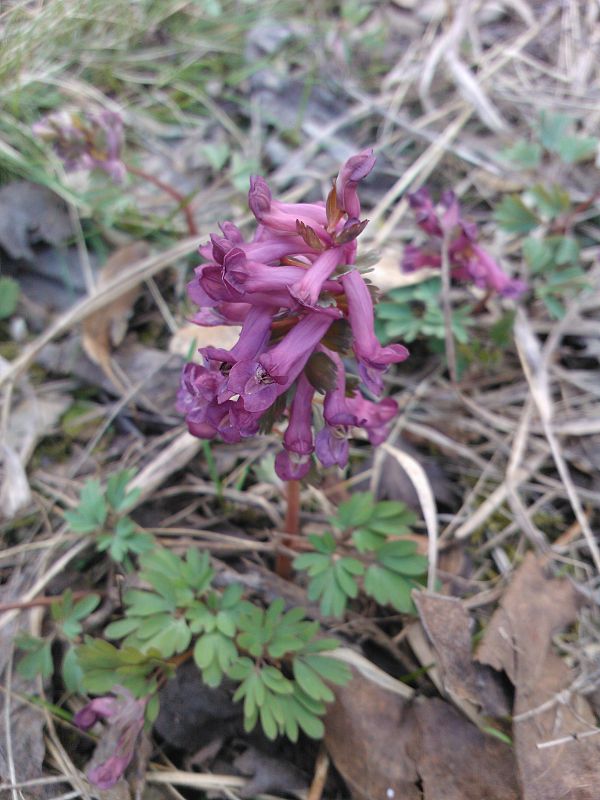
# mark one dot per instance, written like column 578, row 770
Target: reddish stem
column 283, row 563
column 168, row 189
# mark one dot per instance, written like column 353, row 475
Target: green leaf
column 513, row 215
column 344, row 578
column 267, row 721
column 152, row 708
column 553, row 128
column 37, row 659
column 331, row 669
column 523, row 153
column 9, row 297
column 310, row 682
column 85, row 606
column 356, row 511
column 90, row 514
column 144, row 603
column 71, row 671
column 538, row 253
column 567, row 250
column 551, row 201
column 116, row 490
column 388, row 588
column 121, row 627
column 573, row 149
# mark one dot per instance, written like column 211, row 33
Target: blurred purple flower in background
column 85, row 141
column 126, row 715
column 468, row 261
column 302, row 307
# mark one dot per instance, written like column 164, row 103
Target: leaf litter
column 493, row 700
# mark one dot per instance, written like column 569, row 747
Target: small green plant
column 416, row 311
column 102, row 512
column 545, row 214
column 553, row 134
column 67, row 615
column 275, row 656
column 364, row 555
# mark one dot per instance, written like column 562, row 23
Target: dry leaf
column 367, row 730
column 448, row 626
column 519, row 641
column 456, row 761
column 105, row 329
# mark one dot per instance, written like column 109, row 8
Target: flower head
column 285, row 289
column 125, row 715
column 85, row 141
column 468, row 260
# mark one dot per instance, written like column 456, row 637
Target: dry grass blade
column 420, row 481
column 535, row 367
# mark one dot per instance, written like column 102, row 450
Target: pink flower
column 126, row 715
column 373, row 358
column 284, row 288
column 468, row 261
column 86, row 141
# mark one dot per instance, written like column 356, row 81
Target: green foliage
column 284, row 704
column 416, row 311
column 68, row 614
column 99, row 508
column 554, row 134
column 90, row 515
column 9, row 297
column 542, row 212
column 364, row 557
column 104, row 666
column 37, row 659
column 513, row 216
column 274, row 655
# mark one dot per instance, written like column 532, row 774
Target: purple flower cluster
column 126, row 716
column 85, row 141
column 468, row 261
column 302, row 306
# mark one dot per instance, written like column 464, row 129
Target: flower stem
column 172, row 192
column 283, row 563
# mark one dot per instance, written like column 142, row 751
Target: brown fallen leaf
column 456, row 761
column 519, row 641
column 367, row 731
column 387, row 746
column 448, row 627
column 105, row 329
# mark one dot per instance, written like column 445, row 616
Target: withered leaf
column 447, row 625
column 105, row 329
column 367, row 731
column 519, row 640
column 456, row 761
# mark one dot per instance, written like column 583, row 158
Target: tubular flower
column 85, row 141
column 125, row 715
column 468, row 261
column 301, row 305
